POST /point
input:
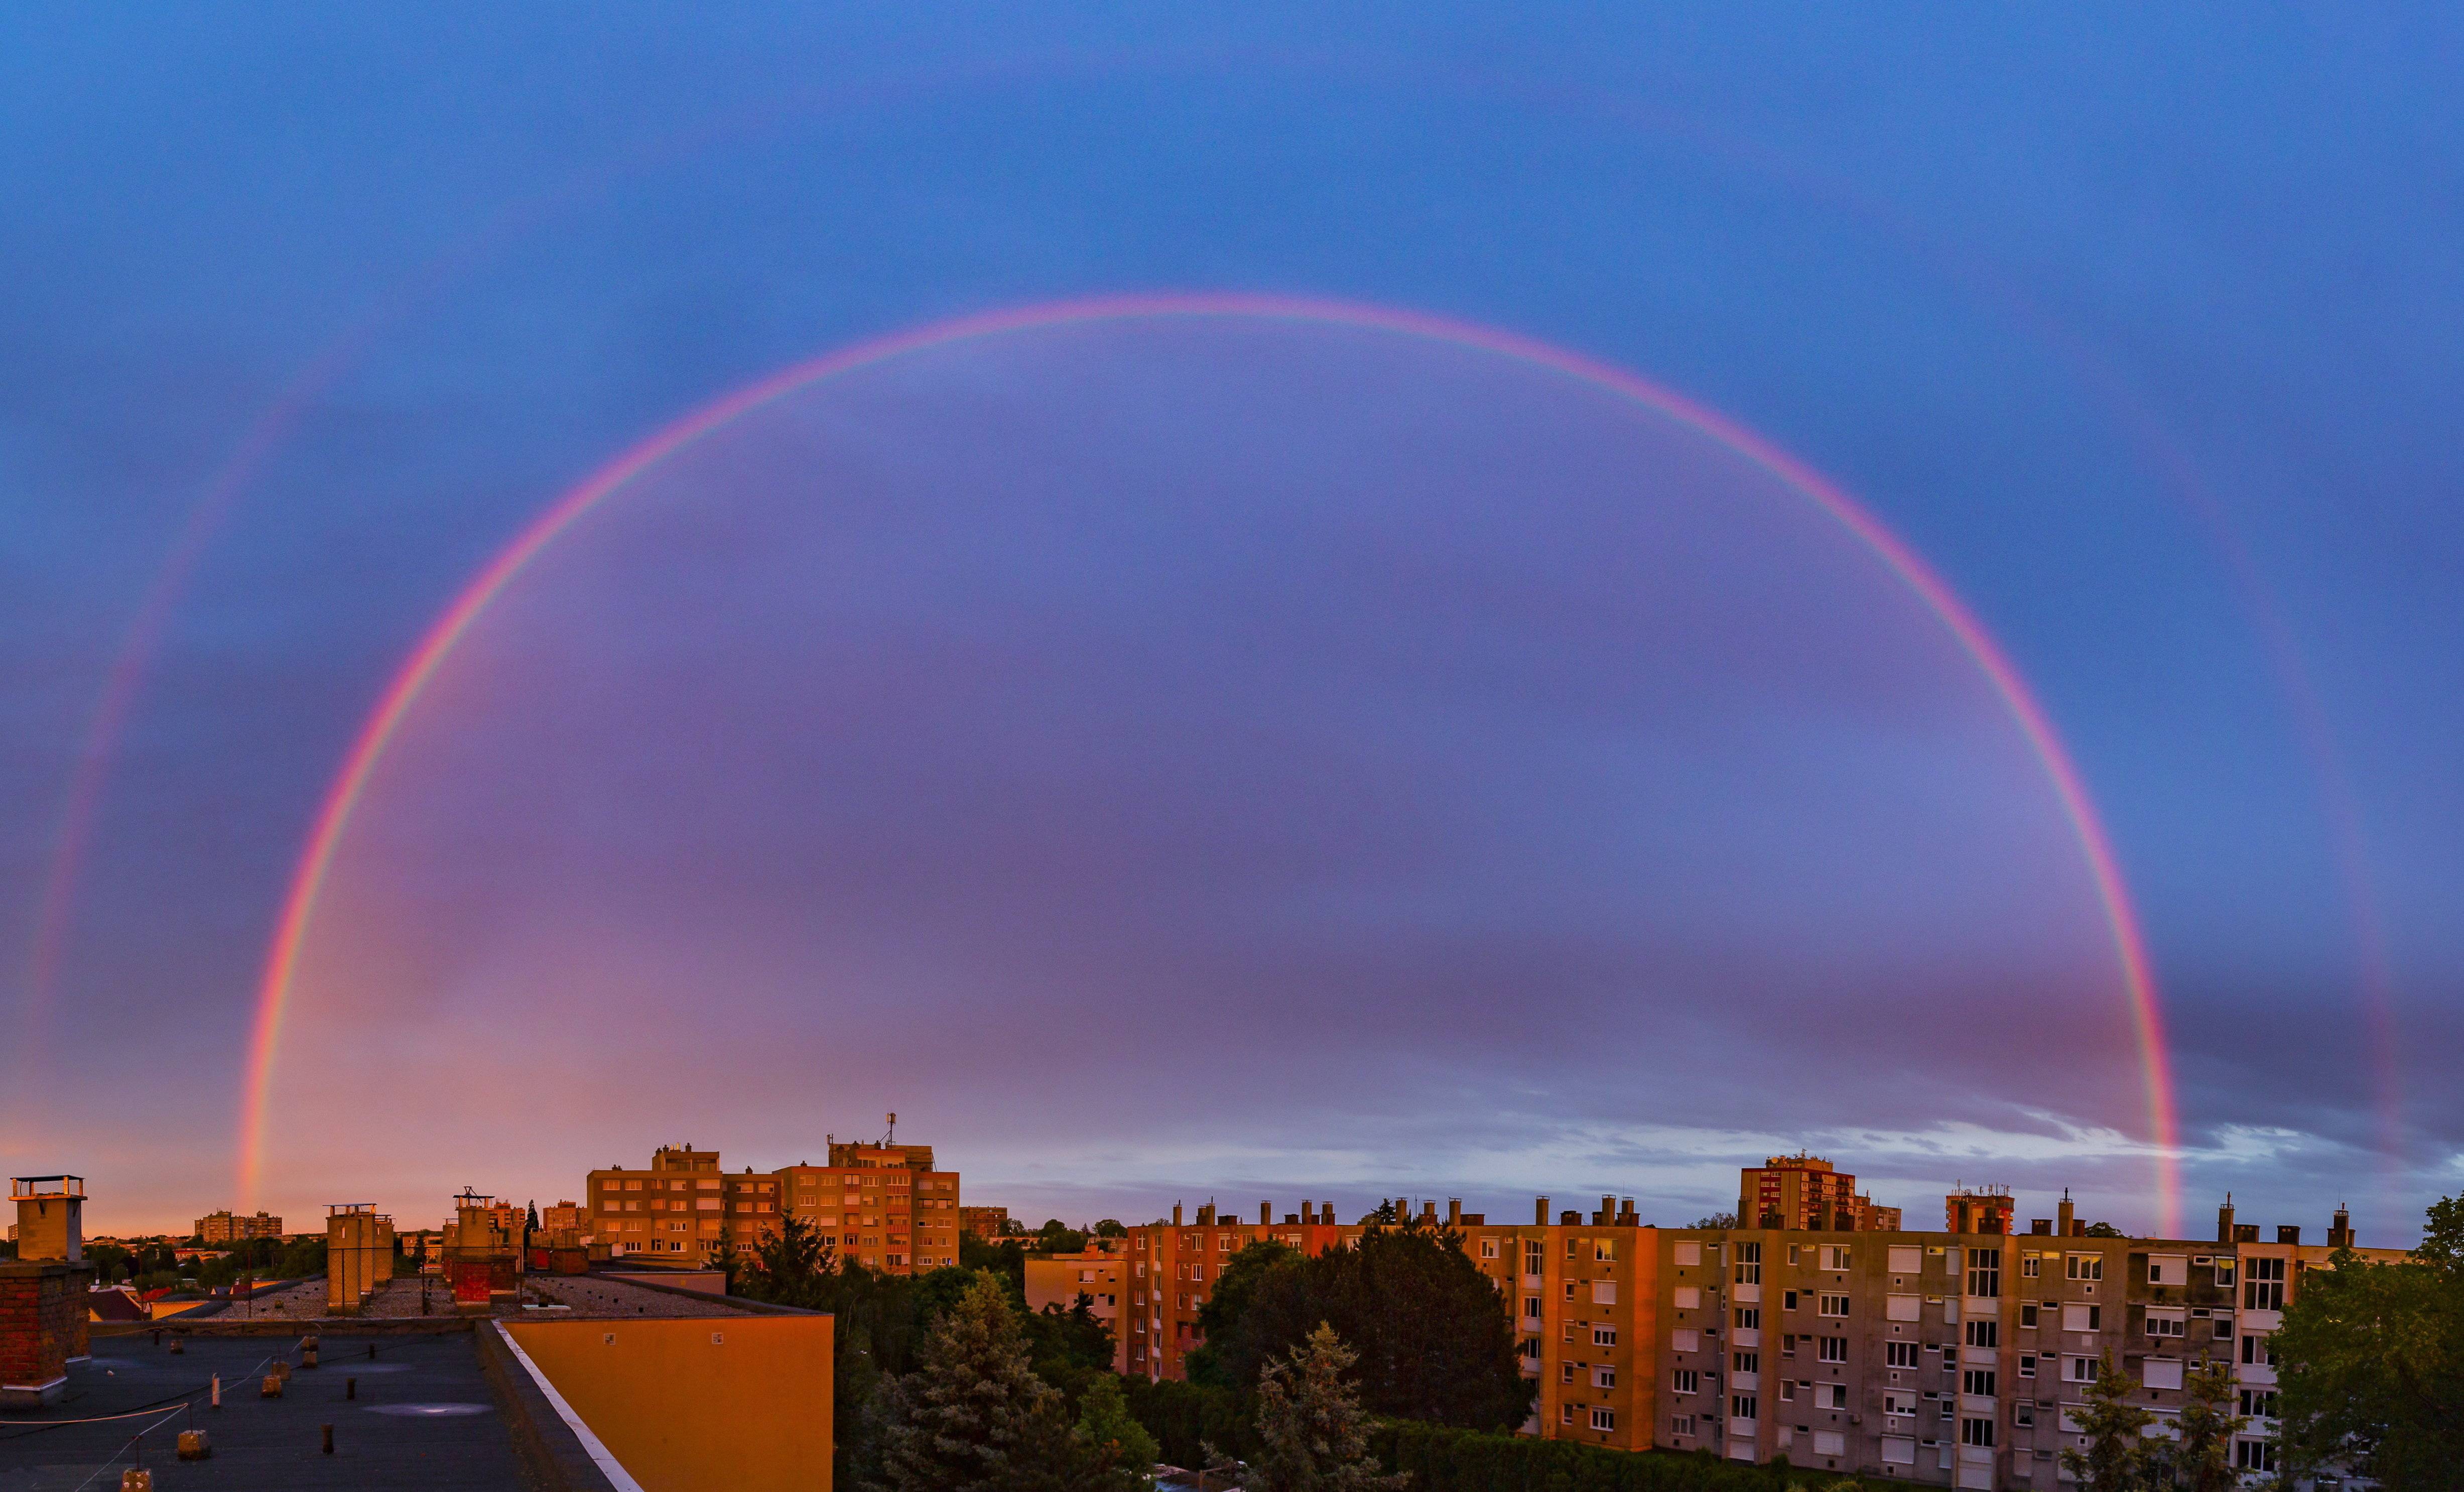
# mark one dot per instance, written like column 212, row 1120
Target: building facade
column 1101, row 1273
column 883, row 1206
column 222, row 1227
column 985, row 1222
column 1807, row 1193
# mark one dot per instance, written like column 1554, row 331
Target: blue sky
column 2140, row 328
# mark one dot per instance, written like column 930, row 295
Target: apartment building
column 1585, row 1297
column 883, row 1205
column 222, row 1227
column 985, row 1222
column 1100, row 1272
column 1172, row 1267
column 2271, row 1280
column 672, row 1212
column 1806, row 1192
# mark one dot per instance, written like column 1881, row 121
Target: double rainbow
column 334, row 815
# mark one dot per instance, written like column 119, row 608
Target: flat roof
column 425, row 1417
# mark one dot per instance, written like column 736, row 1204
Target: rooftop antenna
column 893, row 1133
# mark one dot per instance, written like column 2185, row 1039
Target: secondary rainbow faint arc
column 334, row 815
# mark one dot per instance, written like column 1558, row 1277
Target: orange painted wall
column 740, row 1401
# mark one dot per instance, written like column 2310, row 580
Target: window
column 1832, row 1306
column 1570, row 1327
column 2258, row 1351
column 1750, row 1263
column 2082, row 1317
column 2079, row 1370
column 1899, row 1450
column 1749, row 1318
column 1831, row 1395
column 1688, row 1252
column 1680, row 1424
column 1689, row 1297
column 1531, row 1308
column 2254, row 1455
column 1788, row 1299
column 1899, row 1354
column 1570, row 1289
column 1603, row 1377
column 1603, row 1418
column 2224, row 1274
column 1985, row 1333
column 1906, row 1259
column 1565, row 1413
column 1978, row 1381
column 2027, row 1365
column 1976, row 1431
column 2172, row 1270
column 2085, row 1266
column 1603, row 1336
column 2258, row 1403
column 1834, row 1256
column 1685, row 1340
column 1787, row 1390
column 1573, row 1244
column 2028, row 1265
column 1832, row 1349
column 1685, row 1380
column 2262, row 1286
column 1746, row 1362
column 1984, row 1271
column 2023, row 1415
column 2027, row 1315
column 1899, row 1402
column 1741, row 1406
column 1565, row 1372
column 2166, row 1324
column 1603, row 1251
column 1787, row 1345
column 1488, row 1248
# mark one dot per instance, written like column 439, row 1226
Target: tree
column 1314, row 1436
column 1219, row 1319
column 1118, row 1441
column 1110, row 1228
column 973, row 1418
column 1717, row 1220
column 2104, row 1230
column 1431, row 1333
column 2117, row 1457
column 2201, row 1458
column 2370, row 1363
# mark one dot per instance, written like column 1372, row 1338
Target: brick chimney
column 42, row 1292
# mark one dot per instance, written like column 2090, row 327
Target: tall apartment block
column 1952, row 1358
column 882, row 1205
column 222, row 1227
column 1805, row 1192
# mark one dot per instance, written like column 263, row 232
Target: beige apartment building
column 1101, row 1273
column 882, row 1205
column 1950, row 1358
column 222, row 1227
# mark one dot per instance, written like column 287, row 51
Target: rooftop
column 424, row 1417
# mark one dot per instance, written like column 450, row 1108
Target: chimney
column 2066, row 1215
column 1570, row 1219
column 1625, row 1213
column 1326, row 1214
column 1308, row 1210
column 1176, row 1214
column 1454, row 1212
column 1428, row 1212
column 42, row 1292
column 2288, row 1233
column 1207, row 1215
column 2245, row 1233
column 1608, row 1211
column 1540, row 1212
column 2225, row 1220
column 1265, row 1214
column 2339, row 1232
column 2040, row 1227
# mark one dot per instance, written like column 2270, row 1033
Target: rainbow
column 334, row 815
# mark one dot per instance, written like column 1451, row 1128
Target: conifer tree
column 973, row 1417
column 1121, row 1445
column 2117, row 1458
column 2201, row 1458
column 1315, row 1437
